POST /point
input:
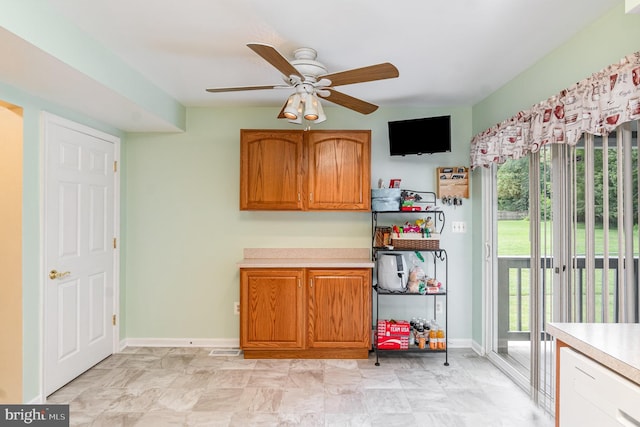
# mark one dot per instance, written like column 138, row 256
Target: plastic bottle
column 433, row 344
column 413, row 337
column 427, row 333
column 421, row 341
column 441, row 341
column 413, row 322
column 419, row 334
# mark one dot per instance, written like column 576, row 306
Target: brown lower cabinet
column 305, row 313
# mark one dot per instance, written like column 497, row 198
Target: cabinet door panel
column 271, row 309
column 270, row 174
column 339, row 170
column 593, row 395
column 339, row 308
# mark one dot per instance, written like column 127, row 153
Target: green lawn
column 513, row 238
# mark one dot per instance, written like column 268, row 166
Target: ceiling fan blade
column 273, row 57
column 382, row 71
column 241, row 88
column 350, row 102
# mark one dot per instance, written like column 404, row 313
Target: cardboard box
column 398, row 327
column 393, row 342
column 393, row 335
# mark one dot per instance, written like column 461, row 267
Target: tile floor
column 188, row 387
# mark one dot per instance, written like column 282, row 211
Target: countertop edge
column 305, row 263
column 616, row 364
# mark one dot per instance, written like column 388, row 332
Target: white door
column 80, row 257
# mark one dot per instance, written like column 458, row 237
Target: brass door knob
column 54, row 274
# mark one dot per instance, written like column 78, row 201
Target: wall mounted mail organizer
column 452, row 181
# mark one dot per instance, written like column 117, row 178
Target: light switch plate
column 458, row 227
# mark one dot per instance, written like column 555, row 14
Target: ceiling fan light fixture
column 292, row 109
column 311, row 107
column 321, row 116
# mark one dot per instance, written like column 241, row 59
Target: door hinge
column 115, row 166
column 113, row 320
column 115, row 244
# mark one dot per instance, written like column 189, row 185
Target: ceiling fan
column 311, row 80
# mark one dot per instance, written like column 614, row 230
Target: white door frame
column 45, row 118
column 489, row 199
column 490, row 276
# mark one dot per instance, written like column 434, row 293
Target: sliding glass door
column 563, row 249
column 513, row 249
column 523, row 292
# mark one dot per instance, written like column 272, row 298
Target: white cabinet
column 592, row 395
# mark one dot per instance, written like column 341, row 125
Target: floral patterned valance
column 595, row 105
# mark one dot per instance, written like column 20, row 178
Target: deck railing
column 513, row 286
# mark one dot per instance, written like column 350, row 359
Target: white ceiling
column 453, row 52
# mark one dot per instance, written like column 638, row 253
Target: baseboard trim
column 235, row 343
column 180, row 342
column 36, row 400
column 459, row 343
column 477, row 348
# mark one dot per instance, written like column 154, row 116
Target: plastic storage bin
column 385, row 199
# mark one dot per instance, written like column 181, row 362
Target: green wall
column 185, row 233
column 604, row 42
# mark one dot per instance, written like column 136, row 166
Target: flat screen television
column 420, row 136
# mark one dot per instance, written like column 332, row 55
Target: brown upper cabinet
column 305, row 170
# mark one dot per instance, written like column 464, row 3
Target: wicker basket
column 415, row 241
column 382, row 237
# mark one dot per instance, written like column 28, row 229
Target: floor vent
column 225, row 352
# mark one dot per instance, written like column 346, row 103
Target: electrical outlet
column 439, row 307
column 236, row 308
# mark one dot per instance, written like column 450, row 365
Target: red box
column 399, row 327
column 393, row 335
column 393, row 342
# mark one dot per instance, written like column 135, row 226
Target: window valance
column 596, row 105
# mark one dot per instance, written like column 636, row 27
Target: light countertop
column 306, row 258
column 614, row 345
